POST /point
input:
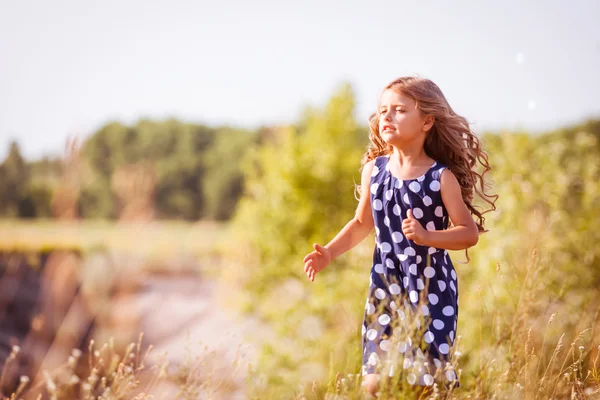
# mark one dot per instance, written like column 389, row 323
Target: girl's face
column 399, row 119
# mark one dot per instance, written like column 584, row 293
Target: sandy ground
column 184, row 317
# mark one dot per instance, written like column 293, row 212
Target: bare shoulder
column 368, row 168
column 448, row 178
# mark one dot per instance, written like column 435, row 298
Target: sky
column 68, row 67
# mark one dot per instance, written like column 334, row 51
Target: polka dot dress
column 411, row 311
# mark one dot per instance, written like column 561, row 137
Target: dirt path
column 184, row 317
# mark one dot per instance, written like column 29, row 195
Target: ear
column 428, row 122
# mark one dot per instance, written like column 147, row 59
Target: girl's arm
column 462, row 235
column 361, row 225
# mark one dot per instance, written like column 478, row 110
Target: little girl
column 420, row 174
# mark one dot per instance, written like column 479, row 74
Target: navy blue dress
column 411, row 311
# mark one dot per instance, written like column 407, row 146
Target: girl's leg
column 370, row 383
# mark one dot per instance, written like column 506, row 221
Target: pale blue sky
column 70, row 66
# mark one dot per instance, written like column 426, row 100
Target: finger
column 318, row 248
column 409, row 214
column 309, row 256
column 310, row 264
column 307, row 265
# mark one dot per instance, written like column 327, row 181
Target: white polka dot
column 419, row 259
column 444, row 348
column 397, row 237
column 429, row 272
column 390, row 263
column 374, row 188
column 405, row 198
column 439, row 212
column 435, row 186
column 407, row 363
column 442, row 285
column 396, row 210
column 431, row 250
column 370, row 309
column 375, row 170
column 379, row 268
column 450, row 375
column 386, row 247
column 364, row 330
column 377, row 205
column 386, row 221
column 405, row 281
column 417, row 364
column 433, row 299
column 389, row 194
column 437, row 363
column 452, row 286
column 414, row 186
column 425, row 310
column 451, row 334
column 428, row 379
column 445, row 271
column 385, row 182
column 394, row 288
column 429, row 337
column 384, row 319
column 402, row 257
column 373, row 359
column 448, row 311
column 417, row 213
column 398, row 184
column 393, row 305
column 409, row 251
column 412, row 268
column 414, row 296
column 380, row 294
column 385, row 345
column 411, row 378
column 421, row 178
column 438, row 324
column 371, row 334
column 453, row 274
column 402, row 347
column 427, row 201
column 420, row 284
column 430, row 226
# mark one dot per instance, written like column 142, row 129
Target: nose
column 385, row 115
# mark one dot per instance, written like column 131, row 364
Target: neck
column 409, row 155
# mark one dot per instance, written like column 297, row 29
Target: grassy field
column 155, row 238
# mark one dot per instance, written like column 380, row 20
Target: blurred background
column 165, row 166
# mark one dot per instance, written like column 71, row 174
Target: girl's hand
column 413, row 229
column 316, row 261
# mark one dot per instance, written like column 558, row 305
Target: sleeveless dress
column 411, row 311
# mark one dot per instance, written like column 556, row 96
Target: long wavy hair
column 450, row 141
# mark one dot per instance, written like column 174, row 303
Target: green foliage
column 224, row 178
column 300, row 189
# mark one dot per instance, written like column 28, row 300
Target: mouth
column 387, row 128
